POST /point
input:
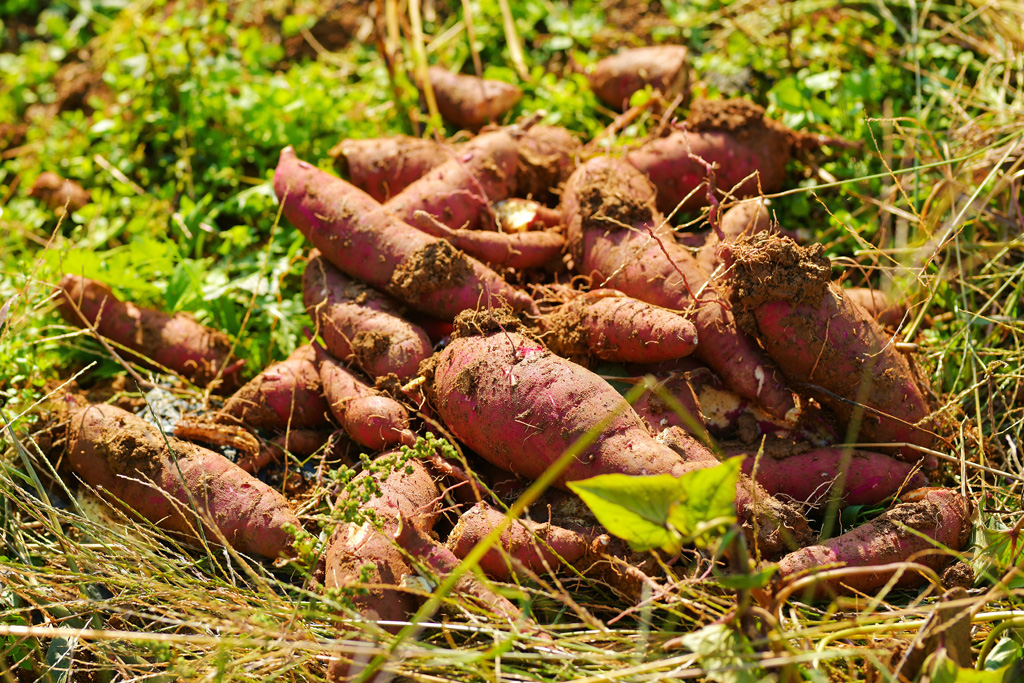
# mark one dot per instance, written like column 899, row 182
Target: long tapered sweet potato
column 610, row 326
column 176, row 342
column 469, row 101
column 810, row 477
column 359, row 324
column 129, row 459
column 750, row 151
column 519, row 250
column 370, row 418
column 536, row 546
column 459, row 192
column 826, row 344
column 287, row 395
column 618, row 240
column 520, row 407
column 383, row 167
column 666, row 68
column 367, row 242
column 939, row 516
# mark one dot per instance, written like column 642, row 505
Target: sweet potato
column 471, row 102
column 128, row 458
column 547, row 157
column 606, row 324
column 826, row 344
column 733, row 134
column 658, row 413
column 443, row 561
column 878, row 305
column 475, row 380
column 367, row 242
column 536, row 546
column 459, row 192
column 618, row 240
column 521, row 215
column 383, row 167
column 363, row 557
column 666, row 68
column 57, row 192
column 942, row 516
column 748, row 217
column 809, row 477
column 176, row 342
column 359, row 324
column 370, row 418
column 518, row 250
column 287, row 395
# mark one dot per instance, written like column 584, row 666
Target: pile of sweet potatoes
column 486, row 289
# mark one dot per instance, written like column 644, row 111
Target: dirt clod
column 437, row 265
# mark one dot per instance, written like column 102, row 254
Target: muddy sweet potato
column 176, row 342
column 618, row 240
column 825, row 344
column 750, row 151
column 128, row 459
column 547, row 157
column 359, row 324
column 383, row 167
column 287, row 395
column 748, row 217
column 471, row 102
column 489, row 367
column 941, row 516
column 809, row 477
column 518, row 250
column 536, row 546
column 878, row 305
column 657, row 411
column 666, row 68
column 608, row 325
column 370, row 418
column 367, row 242
column 459, row 193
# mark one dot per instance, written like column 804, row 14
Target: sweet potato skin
column 383, row 167
column 288, row 394
column 659, row 415
column 733, row 134
column 114, row 450
column 518, row 250
column 459, row 193
column 367, row 242
column 177, row 342
column 748, row 217
column 359, row 324
column 469, row 101
column 939, row 514
column 809, row 477
column 606, row 193
column 547, row 157
column 826, row 343
column 878, row 305
column 614, row 79
column 517, row 541
column 368, row 417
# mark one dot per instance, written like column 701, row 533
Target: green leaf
column 1006, row 652
column 946, row 670
column 636, row 509
column 721, row 647
column 757, row 579
column 707, row 500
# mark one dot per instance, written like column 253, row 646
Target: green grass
column 177, row 142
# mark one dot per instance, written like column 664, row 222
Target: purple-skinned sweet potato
column 518, row 250
column 825, row 344
column 176, row 342
column 608, row 325
column 878, row 305
column 287, row 395
column 536, row 546
column 469, row 101
column 547, row 157
column 751, row 153
column 367, row 242
column 128, row 459
column 475, row 380
column 383, row 167
column 810, row 477
column 367, row 416
column 619, row 240
column 656, row 408
column 748, row 217
column 614, row 79
column 359, row 324
column 940, row 516
column 459, row 193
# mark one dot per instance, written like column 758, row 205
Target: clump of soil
column 437, row 265
column 608, row 202
column 747, row 122
column 369, row 347
column 768, row 267
column 564, row 333
column 485, row 321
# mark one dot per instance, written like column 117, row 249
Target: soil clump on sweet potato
column 435, row 266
